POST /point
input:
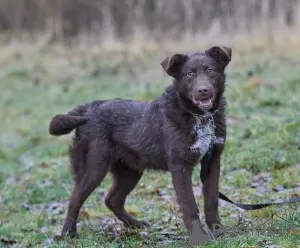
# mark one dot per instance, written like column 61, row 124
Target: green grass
column 35, row 181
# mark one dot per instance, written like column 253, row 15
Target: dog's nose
column 203, row 90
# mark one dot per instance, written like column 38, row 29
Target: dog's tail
column 64, row 123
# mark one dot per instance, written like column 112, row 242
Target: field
column 261, row 161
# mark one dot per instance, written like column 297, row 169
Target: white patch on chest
column 205, row 135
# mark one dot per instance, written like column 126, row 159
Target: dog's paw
column 219, row 231
column 140, row 224
column 69, row 233
column 143, row 224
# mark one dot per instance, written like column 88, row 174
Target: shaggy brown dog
column 174, row 133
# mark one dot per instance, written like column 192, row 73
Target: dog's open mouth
column 205, row 103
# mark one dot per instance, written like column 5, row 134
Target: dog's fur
column 127, row 137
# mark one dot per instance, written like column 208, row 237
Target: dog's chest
column 205, row 133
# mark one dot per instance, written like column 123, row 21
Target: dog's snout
column 203, row 90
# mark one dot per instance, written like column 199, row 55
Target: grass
column 263, row 146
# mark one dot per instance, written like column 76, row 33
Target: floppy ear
column 173, row 64
column 221, row 54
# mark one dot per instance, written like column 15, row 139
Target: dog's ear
column 221, row 54
column 173, row 64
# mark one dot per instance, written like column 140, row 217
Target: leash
column 220, row 140
column 259, row 205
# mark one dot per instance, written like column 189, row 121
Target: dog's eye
column 209, row 71
column 190, row 74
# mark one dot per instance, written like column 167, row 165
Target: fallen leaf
column 47, row 182
column 278, row 188
column 261, row 189
column 295, row 195
column 293, row 231
column 197, row 190
column 225, row 214
column 163, row 192
column 131, row 212
column 266, row 177
column 255, row 184
column 166, row 197
column 26, row 206
column 58, row 237
column 44, row 165
column 84, row 212
column 10, row 180
column 261, row 242
column 144, row 235
column 166, row 219
column 157, row 190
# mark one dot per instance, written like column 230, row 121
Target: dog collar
column 205, row 119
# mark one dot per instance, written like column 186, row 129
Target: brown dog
column 174, row 132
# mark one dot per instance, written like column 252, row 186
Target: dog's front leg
column 210, row 173
column 182, row 181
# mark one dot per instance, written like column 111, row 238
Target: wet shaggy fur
column 126, row 137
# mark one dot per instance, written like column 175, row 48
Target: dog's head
column 199, row 77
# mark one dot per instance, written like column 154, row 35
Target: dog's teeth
column 205, row 105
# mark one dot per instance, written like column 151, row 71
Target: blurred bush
column 158, row 19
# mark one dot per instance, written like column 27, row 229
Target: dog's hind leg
column 124, row 181
column 89, row 168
